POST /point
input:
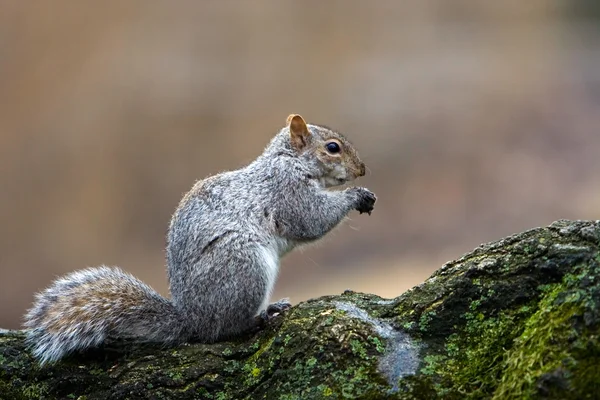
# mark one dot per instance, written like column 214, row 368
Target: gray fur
column 223, row 249
column 87, row 313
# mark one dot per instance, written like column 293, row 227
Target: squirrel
column 224, row 243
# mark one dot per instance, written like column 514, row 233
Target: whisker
column 313, row 261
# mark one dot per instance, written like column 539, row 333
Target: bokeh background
column 477, row 119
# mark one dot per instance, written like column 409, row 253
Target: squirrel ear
column 299, row 133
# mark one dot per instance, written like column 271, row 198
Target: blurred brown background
column 477, row 120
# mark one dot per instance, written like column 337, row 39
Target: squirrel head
column 331, row 157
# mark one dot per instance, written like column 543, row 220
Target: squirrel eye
column 333, row 147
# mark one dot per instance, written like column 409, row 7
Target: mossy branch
column 514, row 319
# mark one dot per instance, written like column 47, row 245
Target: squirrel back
column 224, row 244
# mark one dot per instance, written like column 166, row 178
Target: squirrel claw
column 275, row 309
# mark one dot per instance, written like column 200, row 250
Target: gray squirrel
column 223, row 248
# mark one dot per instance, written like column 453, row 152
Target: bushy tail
column 80, row 310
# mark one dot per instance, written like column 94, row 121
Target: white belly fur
column 270, row 261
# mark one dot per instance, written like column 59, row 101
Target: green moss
column 251, row 374
column 231, row 366
column 255, row 346
column 261, row 349
column 547, row 347
column 176, row 375
column 409, row 325
column 287, row 339
column 433, row 364
column 227, row 352
column 325, row 390
column 222, row 396
column 472, row 361
column 554, row 352
column 358, row 349
column 35, row 391
column 379, row 345
column 425, row 319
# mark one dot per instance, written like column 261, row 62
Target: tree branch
column 518, row 318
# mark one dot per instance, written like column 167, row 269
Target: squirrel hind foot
column 273, row 310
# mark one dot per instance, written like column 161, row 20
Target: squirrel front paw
column 365, row 199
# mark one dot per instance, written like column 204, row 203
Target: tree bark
column 515, row 319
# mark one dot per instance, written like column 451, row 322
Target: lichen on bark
column 514, row 319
